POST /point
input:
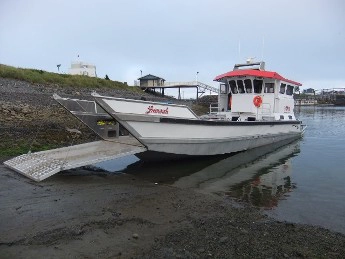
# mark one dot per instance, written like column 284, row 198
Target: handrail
column 179, row 83
column 261, row 65
column 208, row 87
column 191, row 83
column 214, row 108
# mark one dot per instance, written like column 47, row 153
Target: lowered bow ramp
column 41, row 165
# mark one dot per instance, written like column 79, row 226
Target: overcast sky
column 303, row 40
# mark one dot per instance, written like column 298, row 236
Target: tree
column 107, row 77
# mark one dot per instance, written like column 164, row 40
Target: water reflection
column 270, row 185
column 260, row 176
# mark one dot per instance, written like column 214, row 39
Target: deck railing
column 214, row 108
column 191, row 84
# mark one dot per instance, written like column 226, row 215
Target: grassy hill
column 36, row 76
column 25, row 126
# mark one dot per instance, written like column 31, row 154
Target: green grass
column 36, row 76
column 14, row 146
column 23, row 148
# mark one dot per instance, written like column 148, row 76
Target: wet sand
column 88, row 214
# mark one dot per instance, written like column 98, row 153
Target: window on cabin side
column 240, row 86
column 223, row 89
column 269, row 87
column 282, row 88
column 248, row 85
column 257, row 86
column 289, row 90
column 233, row 86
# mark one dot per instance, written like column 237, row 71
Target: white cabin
column 255, row 94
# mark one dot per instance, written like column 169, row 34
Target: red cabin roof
column 256, row 73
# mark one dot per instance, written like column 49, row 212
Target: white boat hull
column 191, row 136
column 214, row 146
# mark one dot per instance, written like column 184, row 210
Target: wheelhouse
column 255, row 94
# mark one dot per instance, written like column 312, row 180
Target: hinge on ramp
column 41, row 165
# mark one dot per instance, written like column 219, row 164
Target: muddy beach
column 85, row 213
column 90, row 214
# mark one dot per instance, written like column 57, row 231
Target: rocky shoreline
column 30, row 119
column 94, row 214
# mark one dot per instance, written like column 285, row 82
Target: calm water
column 318, row 171
column 302, row 182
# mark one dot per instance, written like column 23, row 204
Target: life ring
column 257, row 101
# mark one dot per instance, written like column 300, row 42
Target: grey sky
column 304, row 40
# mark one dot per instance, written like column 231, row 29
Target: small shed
column 151, row 81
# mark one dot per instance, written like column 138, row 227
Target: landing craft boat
column 255, row 108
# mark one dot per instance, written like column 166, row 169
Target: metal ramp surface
column 41, row 165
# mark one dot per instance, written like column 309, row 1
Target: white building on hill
column 82, row 68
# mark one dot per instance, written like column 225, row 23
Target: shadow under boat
column 258, row 176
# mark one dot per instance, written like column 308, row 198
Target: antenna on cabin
column 263, row 47
column 239, row 50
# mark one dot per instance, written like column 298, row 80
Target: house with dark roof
column 309, row 91
column 151, row 81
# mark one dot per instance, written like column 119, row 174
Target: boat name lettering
column 151, row 109
column 287, row 108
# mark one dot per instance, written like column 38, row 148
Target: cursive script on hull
column 152, row 109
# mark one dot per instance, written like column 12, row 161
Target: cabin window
column 257, row 86
column 289, row 90
column 223, row 89
column 290, row 117
column 282, row 88
column 240, row 86
column 248, row 85
column 269, row 87
column 233, row 86
column 281, row 117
